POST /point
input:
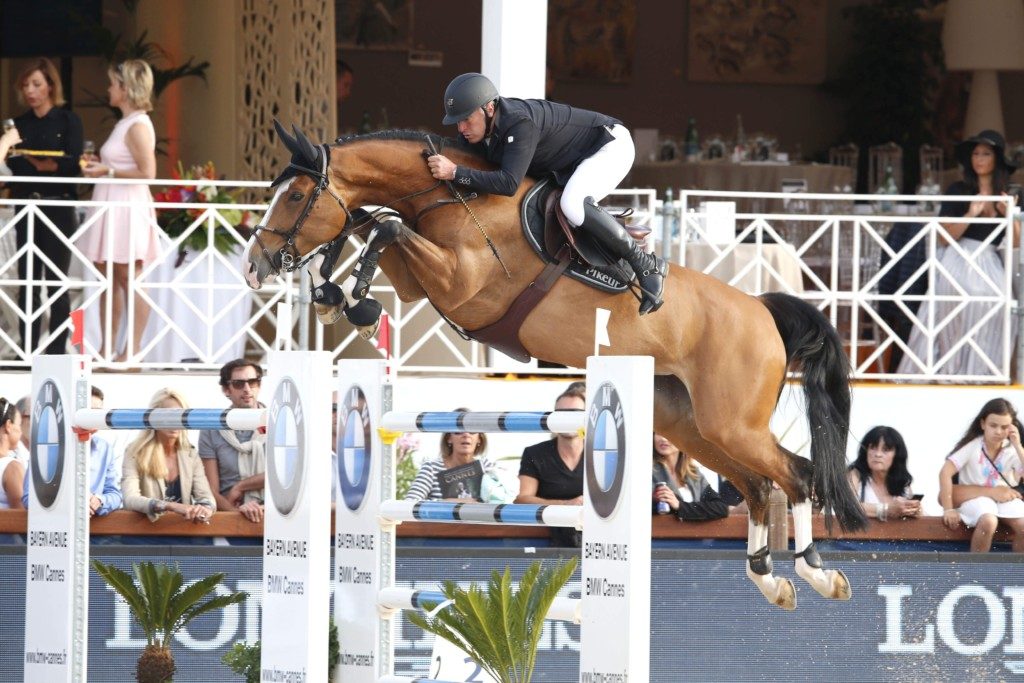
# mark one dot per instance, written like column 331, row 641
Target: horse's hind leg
column 675, row 420
column 830, row 583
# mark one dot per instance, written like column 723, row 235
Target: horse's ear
column 289, row 142
column 306, row 148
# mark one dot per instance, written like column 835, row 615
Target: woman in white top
column 880, row 478
column 457, row 448
column 126, row 234
column 988, row 462
column 12, row 472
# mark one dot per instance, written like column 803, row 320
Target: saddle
column 551, row 236
column 566, row 252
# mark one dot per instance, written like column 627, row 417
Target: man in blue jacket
column 588, row 153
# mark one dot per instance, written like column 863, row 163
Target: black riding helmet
column 465, row 94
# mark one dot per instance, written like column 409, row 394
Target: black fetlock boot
column 650, row 270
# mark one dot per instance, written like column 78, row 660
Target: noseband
column 288, row 255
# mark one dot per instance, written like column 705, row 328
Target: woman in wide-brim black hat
column 977, row 270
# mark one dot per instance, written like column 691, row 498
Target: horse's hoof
column 786, row 597
column 327, row 315
column 840, row 585
column 368, row 332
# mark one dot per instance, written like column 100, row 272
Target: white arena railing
column 824, row 248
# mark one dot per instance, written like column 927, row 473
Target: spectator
column 45, row 127
column 125, row 235
column 345, row 79
column 12, row 472
column 8, row 139
column 24, row 406
column 987, row 172
column 678, row 481
column 988, row 462
column 163, row 473
column 104, row 478
column 880, row 478
column 551, row 472
column 235, row 461
column 457, row 448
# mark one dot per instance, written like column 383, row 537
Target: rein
column 479, row 226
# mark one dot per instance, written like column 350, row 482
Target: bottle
column 740, row 151
column 662, row 507
column 887, row 187
column 384, row 125
column 692, row 141
column 668, row 214
column 890, row 182
column 366, row 126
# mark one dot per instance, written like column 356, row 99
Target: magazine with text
column 462, row 481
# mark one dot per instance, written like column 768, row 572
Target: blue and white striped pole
column 483, row 513
column 171, row 418
column 554, row 422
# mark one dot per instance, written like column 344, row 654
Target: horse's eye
column 295, row 196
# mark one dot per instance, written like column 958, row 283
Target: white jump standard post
column 614, row 610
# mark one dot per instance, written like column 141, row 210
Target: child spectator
column 988, row 462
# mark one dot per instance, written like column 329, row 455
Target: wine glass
column 8, row 125
column 88, row 153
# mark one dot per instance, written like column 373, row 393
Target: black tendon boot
column 650, row 270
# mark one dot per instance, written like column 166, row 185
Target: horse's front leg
column 830, row 583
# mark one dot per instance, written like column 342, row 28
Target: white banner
column 296, row 550
column 57, row 558
column 364, row 554
column 616, row 571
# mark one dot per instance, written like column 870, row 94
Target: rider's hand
column 441, row 167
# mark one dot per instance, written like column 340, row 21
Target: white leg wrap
column 820, row 580
column 770, row 587
column 314, row 270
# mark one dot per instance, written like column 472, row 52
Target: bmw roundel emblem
column 605, row 450
column 286, row 447
column 353, row 448
column 47, row 443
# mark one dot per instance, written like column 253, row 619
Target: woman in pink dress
column 125, row 236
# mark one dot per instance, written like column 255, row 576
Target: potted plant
column 500, row 628
column 163, row 605
column 244, row 659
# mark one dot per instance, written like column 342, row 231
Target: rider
column 589, row 153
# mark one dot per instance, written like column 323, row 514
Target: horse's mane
column 448, row 146
column 409, row 135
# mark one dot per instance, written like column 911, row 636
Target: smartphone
column 917, row 496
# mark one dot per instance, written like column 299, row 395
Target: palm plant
column 500, row 628
column 163, row 605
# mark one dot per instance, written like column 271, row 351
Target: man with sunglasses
column 235, row 460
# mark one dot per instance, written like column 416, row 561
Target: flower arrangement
column 405, row 466
column 175, row 221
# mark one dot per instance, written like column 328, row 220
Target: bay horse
column 721, row 356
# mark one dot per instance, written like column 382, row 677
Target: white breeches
column 599, row 174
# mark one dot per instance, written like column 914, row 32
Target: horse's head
column 297, row 222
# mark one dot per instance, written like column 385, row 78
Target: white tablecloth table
column 765, row 267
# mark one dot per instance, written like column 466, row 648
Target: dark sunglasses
column 240, row 384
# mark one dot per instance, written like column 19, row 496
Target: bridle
column 288, row 255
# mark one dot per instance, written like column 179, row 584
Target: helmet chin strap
column 489, row 120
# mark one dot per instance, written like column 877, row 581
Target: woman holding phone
column 880, row 478
column 988, row 462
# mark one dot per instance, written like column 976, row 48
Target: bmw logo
column 47, row 443
column 605, row 454
column 286, row 447
column 353, row 448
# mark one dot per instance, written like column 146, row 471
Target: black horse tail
column 810, row 339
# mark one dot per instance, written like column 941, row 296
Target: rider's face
column 474, row 126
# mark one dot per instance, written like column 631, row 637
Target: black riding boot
column 650, row 270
